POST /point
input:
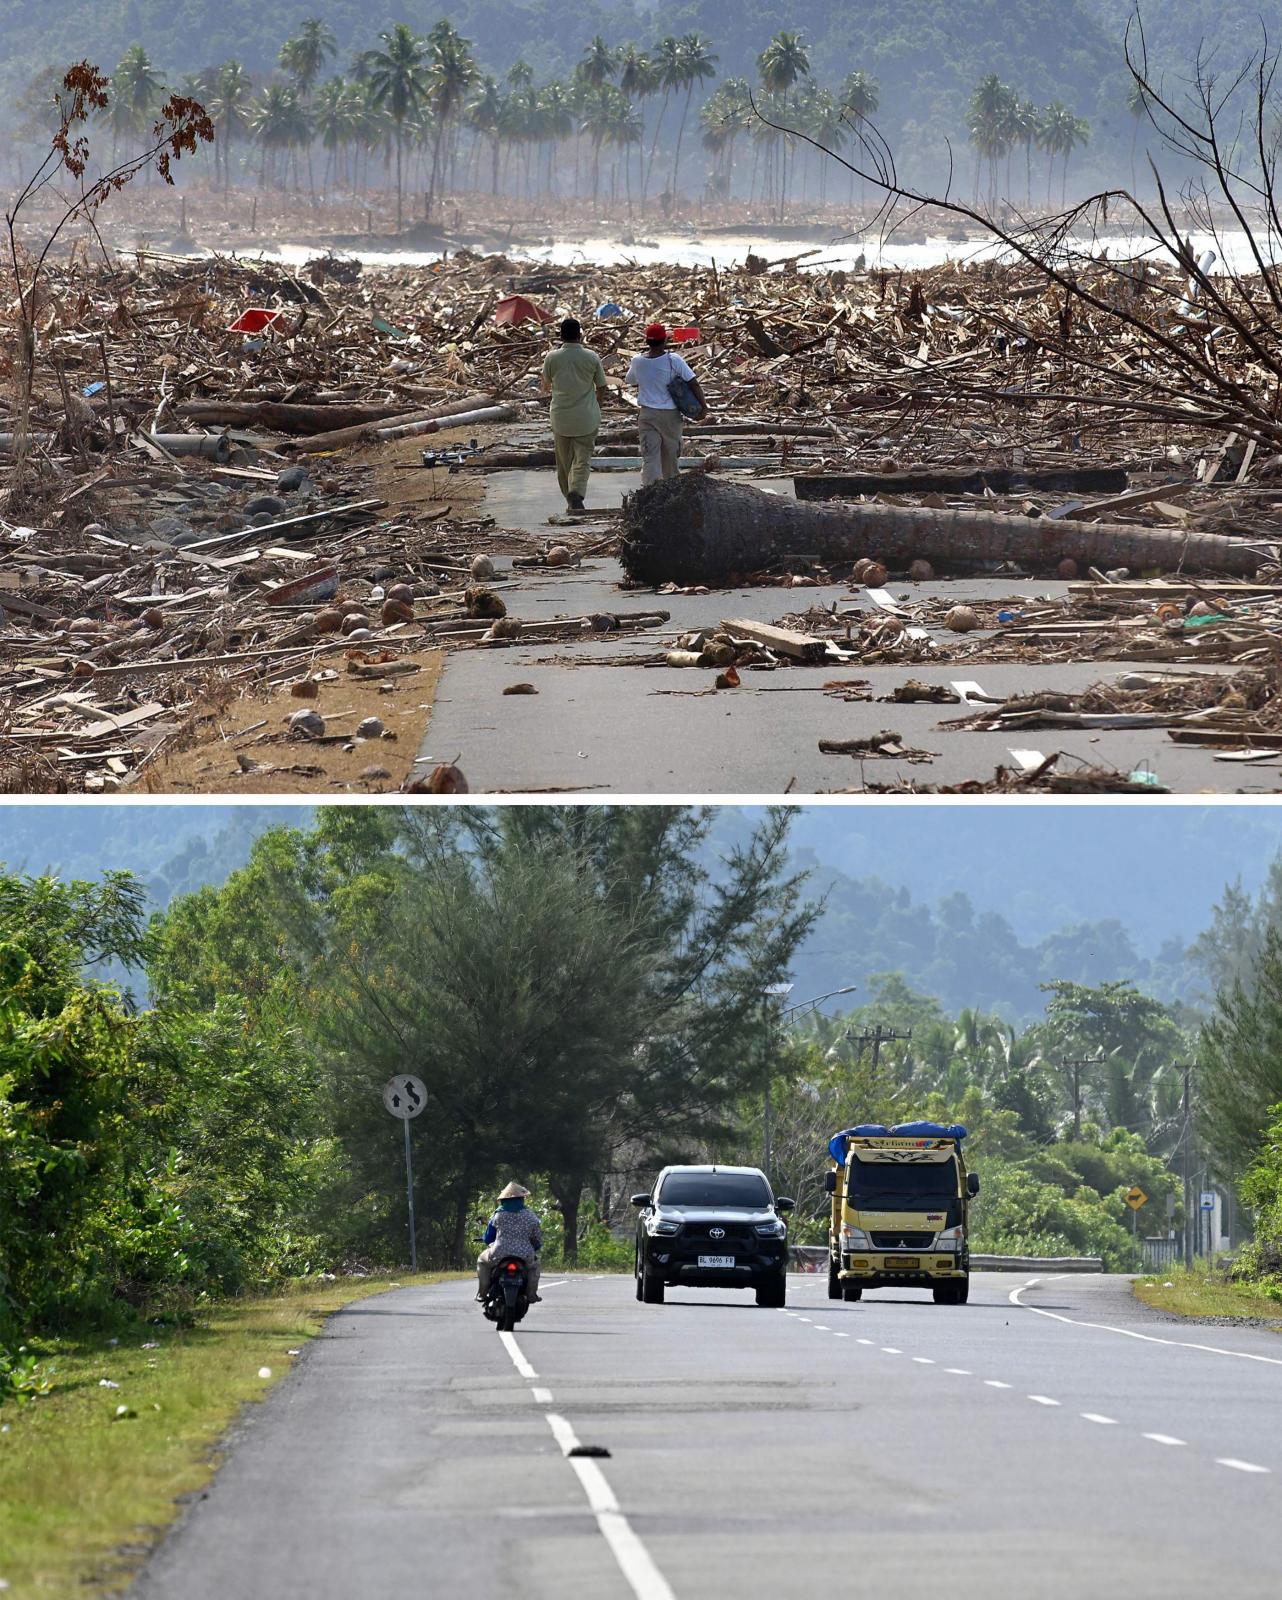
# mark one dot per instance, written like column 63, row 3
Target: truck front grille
column 902, row 1241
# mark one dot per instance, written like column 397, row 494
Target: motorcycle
column 508, row 1298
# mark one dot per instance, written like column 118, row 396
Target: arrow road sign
column 1135, row 1197
column 405, row 1096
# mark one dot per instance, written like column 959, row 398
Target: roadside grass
column 1206, row 1292
column 84, row 1494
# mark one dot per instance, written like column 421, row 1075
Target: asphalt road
column 632, row 729
column 1052, row 1441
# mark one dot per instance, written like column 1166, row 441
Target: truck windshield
column 911, row 1186
column 741, row 1190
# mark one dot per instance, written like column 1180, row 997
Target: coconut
column 330, row 620
column 401, row 591
column 354, row 620
column 921, row 572
column 482, row 602
column 304, row 689
column 874, row 575
column 153, row 617
column 560, row 555
column 962, row 619
column 370, row 728
column 482, row 567
column 1067, row 569
column 396, row 611
column 860, row 567
column 305, row 724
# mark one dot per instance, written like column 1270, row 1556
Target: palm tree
column 600, row 114
column 229, row 106
column 399, row 85
column 136, row 90
column 627, row 128
column 725, row 115
column 304, row 56
column 451, row 72
column 1136, row 106
column 988, row 127
column 859, row 97
column 485, row 117
column 783, row 62
column 1060, row 134
column 698, row 64
column 337, row 117
column 280, row 124
column 599, row 62
column 668, row 66
column 1023, row 122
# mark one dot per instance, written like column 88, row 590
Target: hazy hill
column 927, row 54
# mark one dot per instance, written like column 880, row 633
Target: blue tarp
column 902, row 1130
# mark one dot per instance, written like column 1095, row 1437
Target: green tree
column 231, row 107
column 450, row 75
column 1240, row 1060
column 781, row 65
column 698, row 65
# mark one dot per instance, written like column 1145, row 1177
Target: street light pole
column 1188, row 1177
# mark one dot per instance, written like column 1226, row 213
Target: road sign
column 405, row 1096
column 1135, row 1197
column 1207, row 1202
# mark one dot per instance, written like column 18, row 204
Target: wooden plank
column 1127, row 502
column 783, row 641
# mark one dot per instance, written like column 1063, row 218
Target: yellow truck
column 900, row 1210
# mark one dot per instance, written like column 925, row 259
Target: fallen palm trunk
column 285, row 416
column 694, row 529
column 457, row 419
column 952, row 480
column 336, row 437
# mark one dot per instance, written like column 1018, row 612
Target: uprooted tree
column 181, row 125
column 1160, row 332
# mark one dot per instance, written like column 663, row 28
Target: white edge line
column 634, row 1560
column 518, row 1360
column 1130, row 1333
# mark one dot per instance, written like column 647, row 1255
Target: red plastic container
column 257, row 319
column 684, row 336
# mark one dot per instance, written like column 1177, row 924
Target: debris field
column 244, row 529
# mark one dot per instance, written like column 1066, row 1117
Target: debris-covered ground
column 299, row 532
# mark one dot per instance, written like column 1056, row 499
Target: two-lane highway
column 1049, row 1439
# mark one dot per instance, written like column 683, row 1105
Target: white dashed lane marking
column 1043, row 1400
column 1238, row 1466
column 1094, row 1416
column 1163, row 1438
column 995, row 1383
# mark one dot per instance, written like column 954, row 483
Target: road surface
column 1050, row 1439
column 604, row 721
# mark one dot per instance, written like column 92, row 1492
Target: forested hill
column 926, row 55
column 975, row 910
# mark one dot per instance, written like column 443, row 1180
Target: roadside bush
column 1260, row 1261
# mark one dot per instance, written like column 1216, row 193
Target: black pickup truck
column 712, row 1228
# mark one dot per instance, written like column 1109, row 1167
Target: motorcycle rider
column 514, row 1230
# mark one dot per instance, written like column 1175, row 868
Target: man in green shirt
column 575, row 378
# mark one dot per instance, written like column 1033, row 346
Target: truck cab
column 900, row 1210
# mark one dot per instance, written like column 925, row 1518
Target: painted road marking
column 635, row 1561
column 803, row 1319
column 1130, row 1333
column 889, row 1350
column 959, row 1372
column 864, row 1341
column 1043, row 1400
column 841, row 1336
column 1238, row 1466
column 542, row 1396
column 821, row 1327
column 924, row 1361
column 995, row 1383
column 518, row 1360
column 1163, row 1438
column 1094, row 1416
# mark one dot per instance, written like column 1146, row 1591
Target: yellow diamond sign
column 1135, row 1198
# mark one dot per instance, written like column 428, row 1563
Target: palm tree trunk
column 399, row 197
column 645, row 182
column 676, row 160
column 694, row 529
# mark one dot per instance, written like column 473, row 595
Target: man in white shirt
column 650, row 374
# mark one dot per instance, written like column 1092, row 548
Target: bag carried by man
column 683, row 396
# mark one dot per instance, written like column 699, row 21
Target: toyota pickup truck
column 900, row 1210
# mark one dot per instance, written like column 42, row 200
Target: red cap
column 655, row 333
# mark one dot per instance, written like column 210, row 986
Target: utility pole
column 1186, row 1140
column 876, row 1037
column 1076, row 1068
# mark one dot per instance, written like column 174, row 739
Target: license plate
column 716, row 1261
column 903, row 1261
